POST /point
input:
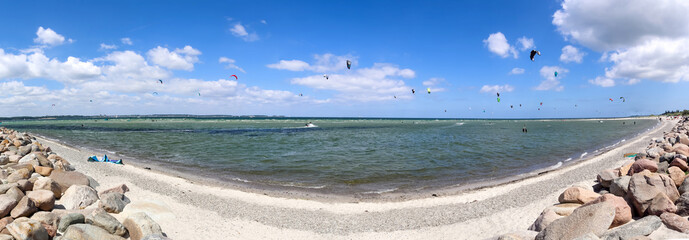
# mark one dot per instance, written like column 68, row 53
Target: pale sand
column 187, row 210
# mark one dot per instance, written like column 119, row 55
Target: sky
column 107, row 57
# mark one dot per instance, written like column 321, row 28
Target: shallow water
column 344, row 155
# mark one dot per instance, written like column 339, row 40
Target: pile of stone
column 42, row 197
column 632, row 201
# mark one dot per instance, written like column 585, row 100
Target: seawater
column 347, row 156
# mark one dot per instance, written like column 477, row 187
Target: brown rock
column 4, row 221
column 43, row 199
column 25, row 228
column 564, row 209
column 122, row 188
column 644, row 186
column 624, row 170
column 675, row 222
column 577, row 195
column 52, row 230
column 44, row 171
column 543, row 220
column 141, row 225
column 661, row 204
column 17, row 143
column 67, row 179
column 19, row 175
column 25, row 185
column 676, row 174
column 606, row 176
column 48, row 184
column 24, row 208
column 623, row 213
column 641, row 164
column 595, row 218
column 681, row 164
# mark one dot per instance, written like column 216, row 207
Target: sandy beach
column 191, row 210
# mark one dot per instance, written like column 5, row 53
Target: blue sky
column 96, row 57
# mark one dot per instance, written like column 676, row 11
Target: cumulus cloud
column 48, row 37
column 104, row 46
column 126, row 41
column 517, row 71
column 665, row 60
column 496, row 88
column 526, row 43
column 571, row 54
column 240, row 31
column 37, row 65
column 551, row 82
column 380, row 82
column 229, row 63
column 497, row 43
column 179, row 59
column 434, row 83
column 603, row 82
column 323, row 63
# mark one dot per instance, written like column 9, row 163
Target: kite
column 429, row 90
column 610, row 99
column 623, row 100
column 533, row 53
column 155, row 93
column 160, row 81
column 235, row 77
column 349, row 64
column 555, row 74
column 325, row 76
column 412, row 91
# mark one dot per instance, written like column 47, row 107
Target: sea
column 346, row 156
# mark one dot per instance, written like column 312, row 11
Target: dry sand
column 188, row 210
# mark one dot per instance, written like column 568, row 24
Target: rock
column 606, row 176
column 577, row 195
column 5, row 187
column 642, row 164
column 104, row 220
column 112, row 202
column 595, row 218
column 564, row 209
column 624, row 170
column 660, row 204
column 675, row 222
column 4, row 159
column 44, row 162
column 14, row 158
column 44, row 171
column 15, row 193
column 19, row 175
column 644, row 188
column 141, row 225
column 543, row 220
column 587, row 236
column 7, row 203
column 49, row 218
column 20, row 166
column 69, row 219
column 4, row 221
column 67, row 179
column 25, row 185
column 619, row 186
column 682, row 205
column 664, row 232
column 25, row 207
column 88, row 232
column 653, row 152
column 663, row 166
column 681, row 164
column 46, row 183
column 524, row 235
column 676, row 174
column 29, row 159
column 6, row 237
column 23, row 150
column 44, row 199
column 623, row 213
column 122, row 188
column 79, row 197
column 641, row 227
column 52, row 230
column 684, row 187
column 25, row 229
column 667, row 157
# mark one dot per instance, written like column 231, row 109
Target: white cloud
column 126, row 41
column 324, row 63
column 551, row 82
column 496, row 88
column 377, row 83
column 230, row 63
column 603, row 82
column 264, row 22
column 434, row 83
column 239, row 30
column 659, row 59
column 179, row 59
column 517, row 71
column 48, row 37
column 37, row 65
column 571, row 54
column 526, row 43
column 497, row 43
column 104, row 46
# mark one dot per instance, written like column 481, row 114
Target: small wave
column 241, row 180
column 381, row 191
column 583, row 154
column 556, row 166
column 459, row 124
column 569, row 159
column 623, row 140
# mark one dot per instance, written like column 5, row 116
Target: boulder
column 112, row 202
column 564, row 209
column 606, row 176
column 46, row 183
column 663, row 232
column 667, row 157
column 68, row 219
column 44, row 199
column 543, row 220
column 653, row 152
column 623, row 213
column 681, row 164
column 641, row 227
column 20, row 166
column 661, row 204
column 23, row 150
column 44, row 171
column 19, row 175
column 7, row 203
column 25, row 207
column 4, row 221
column 15, row 193
column 675, row 222
column 643, row 164
column 684, row 187
column 79, row 197
column 624, row 170
column 523, row 235
column 643, row 188
column 618, row 187
column 25, row 185
column 663, row 166
column 122, row 188
column 141, row 225
column 4, row 159
column 29, row 159
column 577, row 195
column 14, row 158
column 52, row 230
column 67, row 179
column 88, row 232
column 49, row 218
column 5, row 187
column 587, row 236
column 676, row 174
column 683, row 205
column 104, row 220
column 27, row 229
column 44, row 162
column 595, row 218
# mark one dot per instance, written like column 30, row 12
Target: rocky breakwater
column 43, row 197
column 633, row 201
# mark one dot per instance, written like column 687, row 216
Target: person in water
column 524, row 129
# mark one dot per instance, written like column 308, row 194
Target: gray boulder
column 68, row 178
column 620, row 186
column 104, row 220
column 78, row 197
column 641, row 227
column 606, row 177
column 27, row 229
column 141, row 225
column 643, row 188
column 112, row 202
column 595, row 218
column 88, row 232
column 6, row 205
column 70, row 219
column 25, row 207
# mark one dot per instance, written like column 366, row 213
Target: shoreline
column 306, row 193
column 254, row 215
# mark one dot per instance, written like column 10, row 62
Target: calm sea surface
column 344, row 155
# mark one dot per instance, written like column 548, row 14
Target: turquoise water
column 344, row 155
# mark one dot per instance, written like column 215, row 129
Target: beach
column 186, row 209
